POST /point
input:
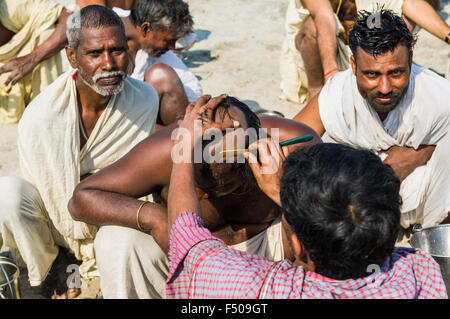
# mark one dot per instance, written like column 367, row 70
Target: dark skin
column 234, row 212
column 172, row 97
column 21, row 66
column 100, row 50
column 124, row 4
column 382, row 81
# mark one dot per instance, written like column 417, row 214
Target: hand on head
column 267, row 166
column 199, row 115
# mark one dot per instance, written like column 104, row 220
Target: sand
column 237, row 52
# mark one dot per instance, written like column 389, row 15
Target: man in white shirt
column 396, row 109
column 153, row 29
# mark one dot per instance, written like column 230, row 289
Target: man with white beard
column 84, row 121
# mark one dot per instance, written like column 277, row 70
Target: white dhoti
column 422, row 117
column 268, row 244
column 294, row 82
column 51, row 164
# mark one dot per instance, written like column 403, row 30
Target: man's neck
column 88, row 99
column 382, row 115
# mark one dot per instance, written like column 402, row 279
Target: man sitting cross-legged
column 235, row 209
column 81, row 123
column 340, row 211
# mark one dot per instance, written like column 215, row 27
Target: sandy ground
column 238, row 49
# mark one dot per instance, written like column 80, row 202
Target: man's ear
column 297, row 247
column 410, row 59
column 353, row 63
column 71, row 56
column 145, row 29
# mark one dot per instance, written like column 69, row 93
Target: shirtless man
column 233, row 206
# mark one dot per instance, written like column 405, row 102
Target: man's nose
column 108, row 62
column 384, row 86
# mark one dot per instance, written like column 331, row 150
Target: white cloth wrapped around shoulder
column 422, row 117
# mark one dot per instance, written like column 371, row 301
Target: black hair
column 163, row 14
column 344, row 206
column 379, row 32
column 253, row 124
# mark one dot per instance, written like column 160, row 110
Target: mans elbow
column 75, row 204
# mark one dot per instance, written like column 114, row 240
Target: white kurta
column 422, row 117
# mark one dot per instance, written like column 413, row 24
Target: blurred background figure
column 32, row 34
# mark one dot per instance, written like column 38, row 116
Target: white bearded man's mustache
column 104, row 75
column 97, row 77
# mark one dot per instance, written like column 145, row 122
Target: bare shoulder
column 287, row 128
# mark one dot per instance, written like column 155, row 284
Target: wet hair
column 163, row 14
column 344, row 206
column 93, row 16
column 379, row 32
column 241, row 169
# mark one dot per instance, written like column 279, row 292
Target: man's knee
column 19, row 198
column 306, row 34
column 120, row 243
column 162, row 75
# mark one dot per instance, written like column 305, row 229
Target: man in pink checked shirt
column 341, row 213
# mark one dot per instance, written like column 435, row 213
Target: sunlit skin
column 100, row 50
column 156, row 43
column 383, row 80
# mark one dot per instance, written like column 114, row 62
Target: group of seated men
column 90, row 156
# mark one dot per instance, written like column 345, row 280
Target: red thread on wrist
column 331, row 71
column 74, row 76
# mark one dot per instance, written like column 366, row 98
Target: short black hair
column 253, row 124
column 163, row 14
column 379, row 32
column 344, row 206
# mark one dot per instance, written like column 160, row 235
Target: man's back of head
column 344, row 206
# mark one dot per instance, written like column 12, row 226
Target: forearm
column 104, row 208
column 326, row 39
column 55, row 42
column 424, row 153
column 423, row 14
column 182, row 195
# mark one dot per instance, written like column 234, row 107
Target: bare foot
column 55, row 285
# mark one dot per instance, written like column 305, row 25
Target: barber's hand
column 199, row 116
column 404, row 160
column 19, row 67
column 268, row 170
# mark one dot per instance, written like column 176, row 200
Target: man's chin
column 108, row 91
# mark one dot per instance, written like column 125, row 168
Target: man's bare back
column 234, row 217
